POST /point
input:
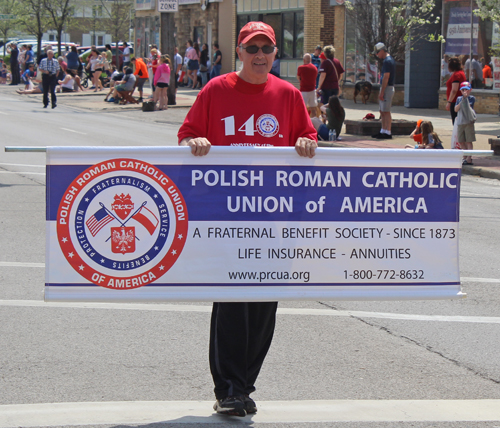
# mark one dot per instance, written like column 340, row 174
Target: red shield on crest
column 122, row 206
column 123, row 239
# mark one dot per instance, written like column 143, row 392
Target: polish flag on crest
column 147, row 219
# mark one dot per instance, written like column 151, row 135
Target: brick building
column 300, row 25
column 201, row 21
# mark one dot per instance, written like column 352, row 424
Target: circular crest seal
column 122, row 223
column 267, row 125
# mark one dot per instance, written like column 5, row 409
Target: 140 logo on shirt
column 266, row 125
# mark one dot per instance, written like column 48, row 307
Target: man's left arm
column 385, row 81
column 306, row 147
column 306, row 143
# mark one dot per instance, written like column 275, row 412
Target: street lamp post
column 471, row 41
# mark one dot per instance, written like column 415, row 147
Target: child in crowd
column 3, row 73
column 417, row 133
column 161, row 80
column 335, row 114
column 428, row 138
column 465, row 120
column 26, row 77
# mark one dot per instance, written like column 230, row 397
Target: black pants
column 240, row 336
column 16, row 75
column 49, row 83
column 453, row 113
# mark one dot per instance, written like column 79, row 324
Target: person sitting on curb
column 4, row 72
column 125, row 87
column 335, row 115
column 417, row 133
column 68, row 83
column 116, row 76
column 36, row 90
column 429, row 139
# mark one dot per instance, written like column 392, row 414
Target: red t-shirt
column 307, row 73
column 231, row 112
column 457, row 76
column 331, row 79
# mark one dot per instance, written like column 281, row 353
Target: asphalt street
column 332, row 364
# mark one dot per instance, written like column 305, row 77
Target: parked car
column 34, row 44
column 84, row 55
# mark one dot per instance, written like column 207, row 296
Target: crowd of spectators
column 320, row 78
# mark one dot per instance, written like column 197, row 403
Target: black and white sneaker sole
column 229, row 411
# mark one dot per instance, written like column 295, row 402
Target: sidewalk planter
column 495, row 145
column 398, row 100
column 486, row 100
column 371, row 127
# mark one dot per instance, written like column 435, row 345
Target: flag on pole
column 100, row 219
column 147, row 219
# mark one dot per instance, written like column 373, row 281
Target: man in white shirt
column 178, row 67
column 126, row 55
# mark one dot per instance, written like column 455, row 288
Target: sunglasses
column 267, row 49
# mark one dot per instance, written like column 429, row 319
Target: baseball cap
column 378, row 47
column 465, row 85
column 256, row 28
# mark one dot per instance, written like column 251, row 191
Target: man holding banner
column 246, row 108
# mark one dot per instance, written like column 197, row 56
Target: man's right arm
column 193, row 131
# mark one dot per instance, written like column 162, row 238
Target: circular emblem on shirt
column 267, row 125
column 122, row 223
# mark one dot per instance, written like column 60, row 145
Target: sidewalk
column 487, row 125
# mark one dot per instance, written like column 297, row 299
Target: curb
column 481, row 172
column 466, row 169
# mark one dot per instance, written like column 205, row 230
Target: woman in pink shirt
column 193, row 54
column 162, row 78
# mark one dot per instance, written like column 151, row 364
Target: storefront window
column 359, row 63
column 288, row 33
column 299, row 33
column 462, row 43
column 289, row 30
column 199, row 35
column 274, row 20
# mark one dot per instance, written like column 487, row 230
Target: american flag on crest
column 100, row 219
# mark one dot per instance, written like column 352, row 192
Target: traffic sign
column 4, row 17
column 168, row 5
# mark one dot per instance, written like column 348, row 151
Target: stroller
column 87, row 77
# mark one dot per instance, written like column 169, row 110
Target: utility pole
column 167, row 40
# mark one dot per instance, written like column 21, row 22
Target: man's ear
column 238, row 52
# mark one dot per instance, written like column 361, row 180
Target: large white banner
column 251, row 224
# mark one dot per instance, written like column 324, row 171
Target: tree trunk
column 382, row 35
column 59, row 32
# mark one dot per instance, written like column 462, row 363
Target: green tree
column 119, row 13
column 488, row 9
column 398, row 24
column 8, row 7
column 35, row 19
column 60, row 12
